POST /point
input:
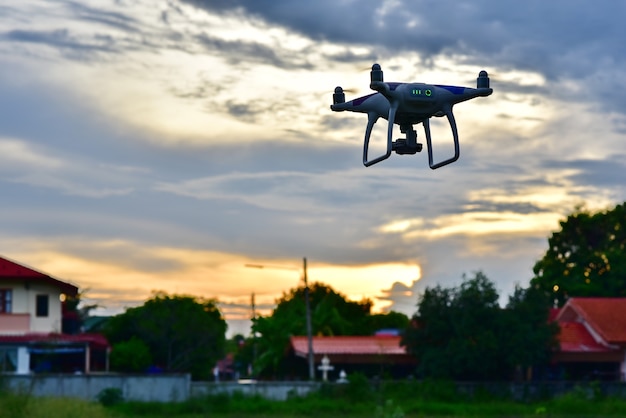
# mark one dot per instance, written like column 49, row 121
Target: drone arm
column 372, row 117
column 455, row 136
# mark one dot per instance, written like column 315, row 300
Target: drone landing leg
column 372, row 117
column 455, row 138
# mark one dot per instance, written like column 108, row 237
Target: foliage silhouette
column 462, row 333
column 183, row 333
column 587, row 257
column 332, row 314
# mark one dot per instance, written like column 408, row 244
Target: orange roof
column 574, row 337
column 381, row 344
column 14, row 271
column 607, row 316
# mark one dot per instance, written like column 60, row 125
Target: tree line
column 458, row 332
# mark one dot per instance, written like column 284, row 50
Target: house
column 592, row 339
column 32, row 332
column 376, row 355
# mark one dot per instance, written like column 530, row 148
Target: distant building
column 32, row 332
column 592, row 339
column 377, row 355
column 591, row 346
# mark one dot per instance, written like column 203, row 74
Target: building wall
column 24, row 297
column 14, row 323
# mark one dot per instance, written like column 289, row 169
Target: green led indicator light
column 420, row 92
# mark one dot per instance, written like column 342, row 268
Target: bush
column 358, row 387
column 130, row 356
column 389, row 410
column 110, row 396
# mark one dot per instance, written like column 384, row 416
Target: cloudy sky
column 163, row 145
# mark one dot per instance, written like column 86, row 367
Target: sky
column 165, row 145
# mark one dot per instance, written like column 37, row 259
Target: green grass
column 389, row 400
column 374, row 406
column 25, row 406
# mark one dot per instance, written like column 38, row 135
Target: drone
column 408, row 104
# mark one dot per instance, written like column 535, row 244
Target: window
column 42, row 305
column 5, row 301
column 8, row 359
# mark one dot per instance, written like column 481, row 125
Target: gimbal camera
column 408, row 104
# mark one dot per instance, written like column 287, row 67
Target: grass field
column 391, row 401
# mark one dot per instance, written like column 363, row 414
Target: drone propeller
column 339, row 95
column 482, row 82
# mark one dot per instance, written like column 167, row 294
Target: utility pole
column 254, row 349
column 309, row 331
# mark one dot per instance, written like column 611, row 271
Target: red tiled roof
column 382, row 344
column 607, row 316
column 94, row 340
column 574, row 337
column 15, row 271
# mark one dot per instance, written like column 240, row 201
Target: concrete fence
column 278, row 391
column 179, row 387
column 158, row 387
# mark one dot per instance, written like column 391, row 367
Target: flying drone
column 408, row 104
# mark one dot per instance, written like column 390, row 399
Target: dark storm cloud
column 492, row 207
column 112, row 19
column 252, row 111
column 58, row 38
column 537, row 35
column 104, row 32
column 348, row 55
column 605, row 173
column 561, row 40
column 332, row 122
column 344, row 22
column 253, row 52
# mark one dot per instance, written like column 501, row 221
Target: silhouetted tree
column 529, row 336
column 391, row 320
column 331, row 315
column 130, row 356
column 462, row 333
column 183, row 333
column 75, row 312
column 587, row 257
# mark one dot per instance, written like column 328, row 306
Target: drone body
column 408, row 104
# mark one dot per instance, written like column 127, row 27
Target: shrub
column 110, row 396
column 130, row 356
column 358, row 387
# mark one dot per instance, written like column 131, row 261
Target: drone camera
column 404, row 147
column 339, row 96
column 483, row 80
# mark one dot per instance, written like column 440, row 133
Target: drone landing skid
column 409, row 144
